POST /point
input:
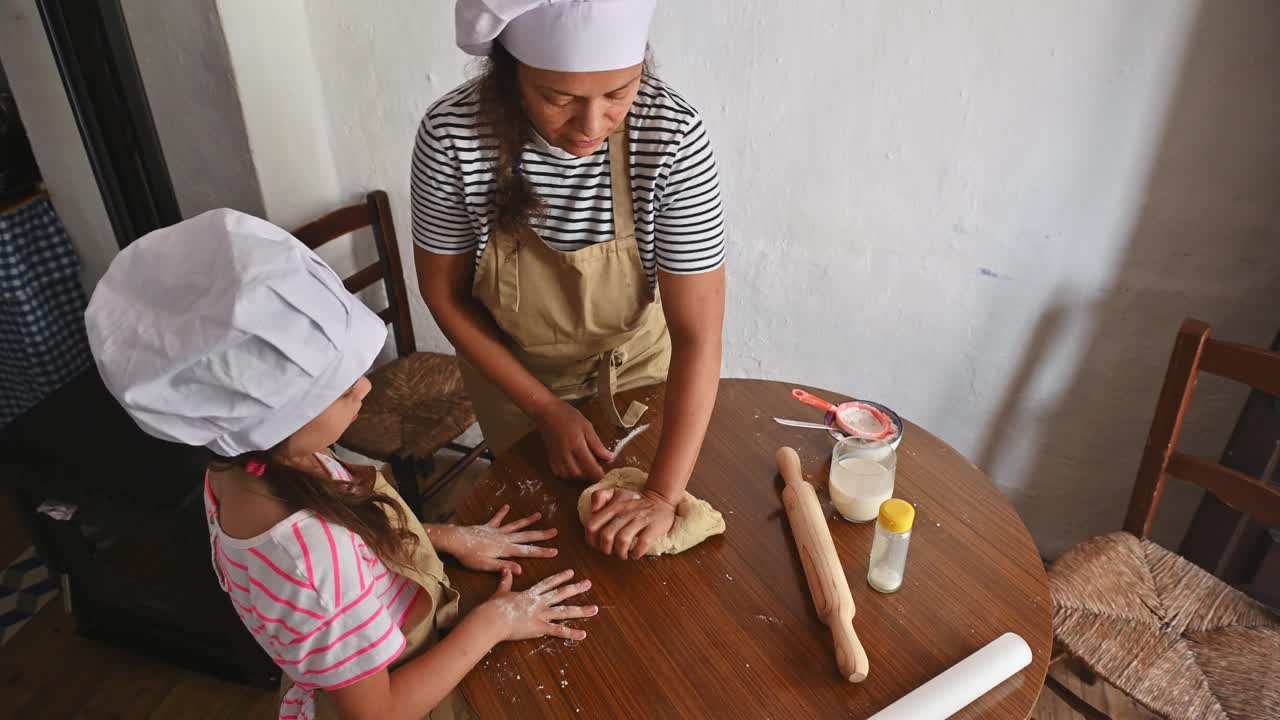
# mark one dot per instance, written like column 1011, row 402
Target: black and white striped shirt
column 675, row 188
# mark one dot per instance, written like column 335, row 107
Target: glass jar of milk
column 862, row 473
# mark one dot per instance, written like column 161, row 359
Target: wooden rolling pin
column 827, row 583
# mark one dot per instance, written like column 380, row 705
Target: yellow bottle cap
column 897, row 515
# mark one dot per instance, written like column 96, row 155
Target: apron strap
column 607, row 383
column 624, row 225
column 507, row 253
column 624, row 218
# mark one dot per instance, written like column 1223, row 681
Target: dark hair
column 501, row 108
column 377, row 518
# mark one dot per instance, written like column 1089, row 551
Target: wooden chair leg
column 404, row 468
column 466, row 450
column 1073, row 701
column 454, row 471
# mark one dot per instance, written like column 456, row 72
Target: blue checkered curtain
column 42, row 335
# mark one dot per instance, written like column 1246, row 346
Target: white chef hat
column 225, row 331
column 561, row 35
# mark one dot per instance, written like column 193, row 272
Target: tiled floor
column 25, row 588
column 47, row 671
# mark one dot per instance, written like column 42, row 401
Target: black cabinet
column 135, row 554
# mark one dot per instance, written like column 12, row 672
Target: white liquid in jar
column 859, row 487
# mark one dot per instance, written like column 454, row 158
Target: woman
column 555, row 198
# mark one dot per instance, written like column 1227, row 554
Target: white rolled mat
column 963, row 682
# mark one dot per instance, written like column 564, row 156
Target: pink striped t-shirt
column 315, row 597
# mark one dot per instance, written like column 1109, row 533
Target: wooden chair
column 418, row 405
column 1172, row 636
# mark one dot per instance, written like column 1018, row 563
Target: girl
column 554, row 199
column 226, row 332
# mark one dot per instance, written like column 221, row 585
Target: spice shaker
column 888, row 562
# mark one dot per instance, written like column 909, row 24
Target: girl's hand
column 483, row 547
column 537, row 611
column 626, row 524
column 573, row 447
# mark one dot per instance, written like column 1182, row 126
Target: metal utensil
column 801, row 424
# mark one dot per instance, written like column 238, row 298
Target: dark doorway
column 19, row 175
column 91, row 44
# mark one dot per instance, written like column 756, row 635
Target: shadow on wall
column 1206, row 244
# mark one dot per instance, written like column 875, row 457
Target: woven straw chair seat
column 1171, row 635
column 417, row 405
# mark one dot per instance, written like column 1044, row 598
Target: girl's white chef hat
column 561, row 35
column 225, row 331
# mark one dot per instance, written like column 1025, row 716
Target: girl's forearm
column 442, row 537
column 424, row 682
column 413, row 689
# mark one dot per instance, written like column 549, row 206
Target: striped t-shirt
column 675, row 188
column 316, row 599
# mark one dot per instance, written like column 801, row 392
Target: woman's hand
column 573, row 447
column 537, row 611
column 483, row 547
column 626, row 524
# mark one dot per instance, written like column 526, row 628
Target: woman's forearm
column 691, row 395
column 694, row 308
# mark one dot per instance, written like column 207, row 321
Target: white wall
column 285, row 114
column 55, row 139
column 182, row 57
column 989, row 215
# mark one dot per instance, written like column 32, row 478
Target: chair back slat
column 334, row 225
column 1234, row 488
column 363, row 278
column 1195, row 352
column 373, row 213
column 1252, row 366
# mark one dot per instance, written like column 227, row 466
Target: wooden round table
column 727, row 629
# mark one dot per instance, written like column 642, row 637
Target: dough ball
column 695, row 519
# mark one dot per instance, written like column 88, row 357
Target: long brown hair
column 378, row 519
column 515, row 203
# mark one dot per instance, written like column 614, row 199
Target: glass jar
column 888, row 562
column 861, row 478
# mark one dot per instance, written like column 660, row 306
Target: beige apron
column 428, row 572
column 584, row 322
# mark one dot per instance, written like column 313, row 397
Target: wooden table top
column 727, row 629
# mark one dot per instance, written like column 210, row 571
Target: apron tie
column 607, row 383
